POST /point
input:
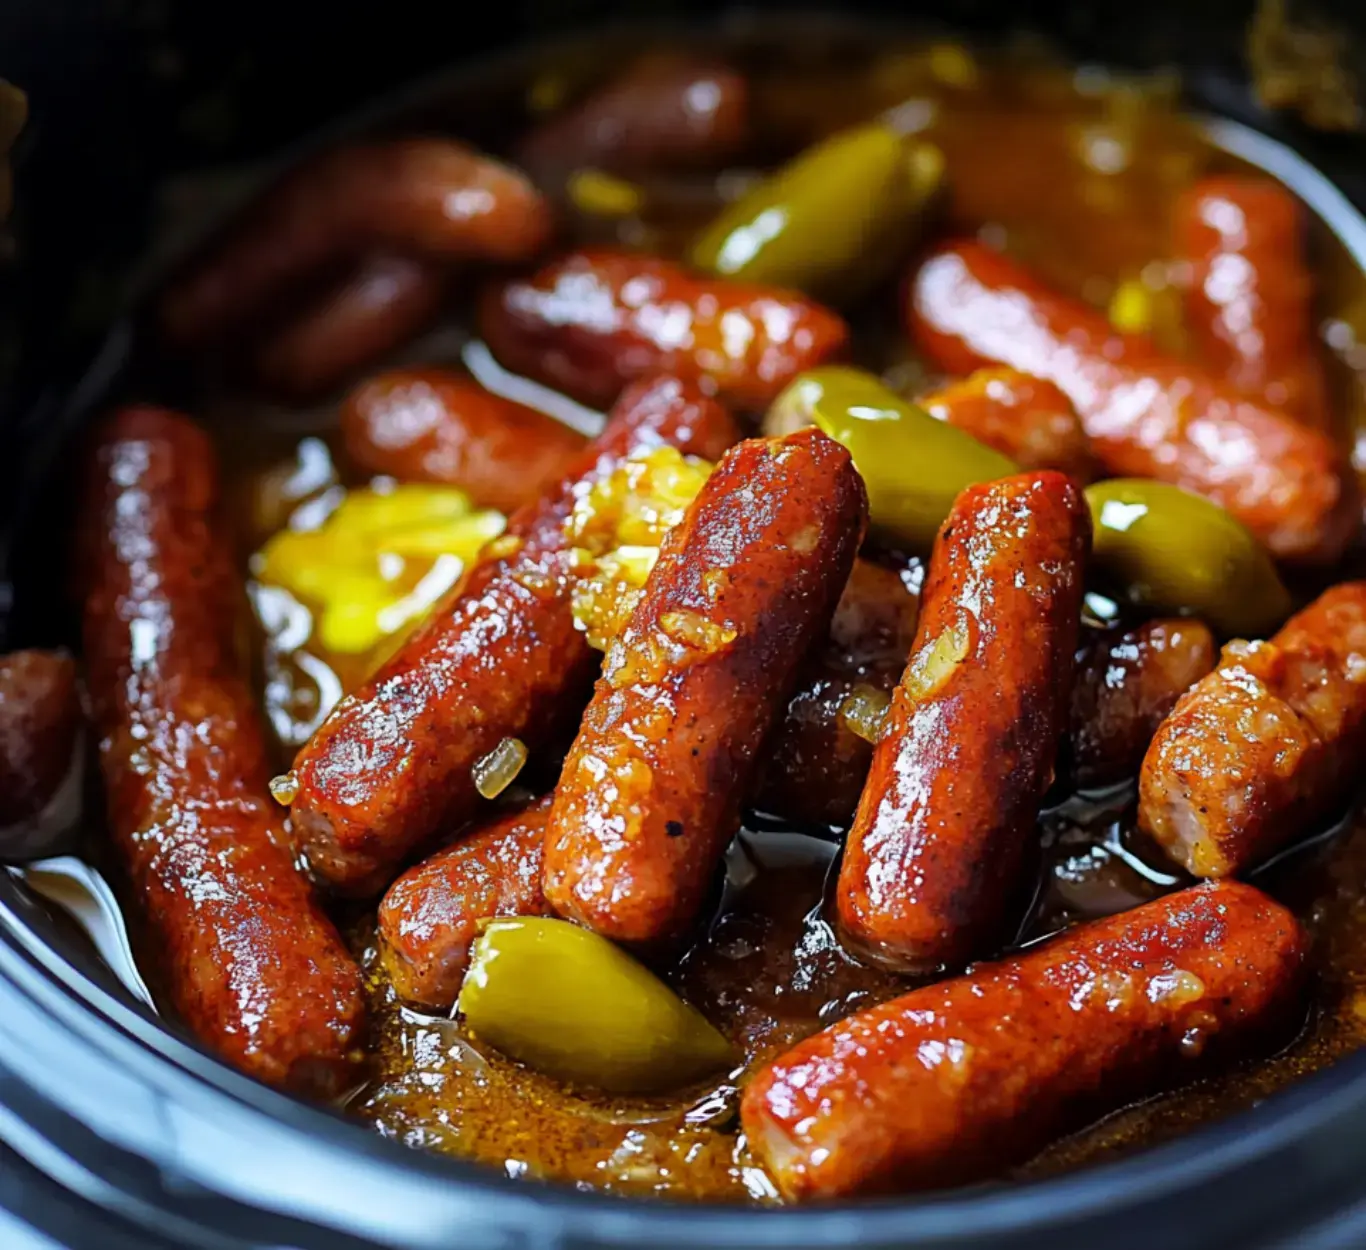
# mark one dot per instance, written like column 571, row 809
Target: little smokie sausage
column 1126, row 683
column 40, row 718
column 1025, row 418
column 594, row 320
column 1146, row 415
column 430, row 198
column 252, row 964
column 816, row 764
column 1266, row 745
column 432, row 425
column 955, row 1081
column 384, row 302
column 1250, row 297
column 744, row 585
column 430, row 916
column 664, row 113
column 968, row 750
column 394, row 762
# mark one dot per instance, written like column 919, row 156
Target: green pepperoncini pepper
column 1159, row 546
column 913, row 466
column 567, row 1002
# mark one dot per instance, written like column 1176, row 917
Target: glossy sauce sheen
column 765, row 966
column 945, row 819
column 593, row 321
column 1147, row 415
column 393, row 764
column 953, row 1081
column 253, row 965
column 652, row 788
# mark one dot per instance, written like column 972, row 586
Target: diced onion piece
column 935, row 664
column 499, row 768
column 603, row 195
column 864, row 712
column 284, row 789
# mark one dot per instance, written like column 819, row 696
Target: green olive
column 833, row 221
column 1162, row 547
column 567, row 1002
column 912, row 465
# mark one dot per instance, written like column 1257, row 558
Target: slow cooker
column 117, row 1133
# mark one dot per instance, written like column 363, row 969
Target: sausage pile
column 870, row 611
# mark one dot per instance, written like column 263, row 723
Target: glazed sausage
column 40, row 717
column 431, row 198
column 664, row 113
column 952, row 1082
column 253, row 966
column 1250, row 297
column 430, row 916
column 499, row 659
column 1127, row 682
column 1025, row 418
column 1266, row 745
column 432, row 425
column 1146, row 415
column 744, row 585
column 816, row 765
column 386, row 301
column 969, row 746
column 594, row 320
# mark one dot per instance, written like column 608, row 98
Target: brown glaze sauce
column 1075, row 173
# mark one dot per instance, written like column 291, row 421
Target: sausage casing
column 663, row 113
column 954, row 1081
column 1266, row 745
column 40, row 718
column 592, row 321
column 430, row 917
column 385, row 301
column 1025, row 418
column 1126, row 683
column 1146, row 415
column 252, row 964
column 432, row 425
column 430, row 198
column 815, row 764
column 744, row 586
column 393, row 764
column 969, row 746
column 1250, row 297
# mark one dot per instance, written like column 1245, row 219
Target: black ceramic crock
column 115, row 1133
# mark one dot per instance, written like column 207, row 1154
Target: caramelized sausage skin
column 593, row 320
column 384, row 302
column 816, row 765
column 932, row 1089
column 40, row 717
column 1264, row 747
column 969, row 745
column 663, row 113
column 253, row 966
column 431, row 198
column 432, row 425
column 1127, row 682
column 430, row 916
column 499, row 659
column 1022, row 417
column 1146, row 415
column 1250, row 298
column 744, row 586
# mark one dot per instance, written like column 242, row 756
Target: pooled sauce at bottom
column 769, row 971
